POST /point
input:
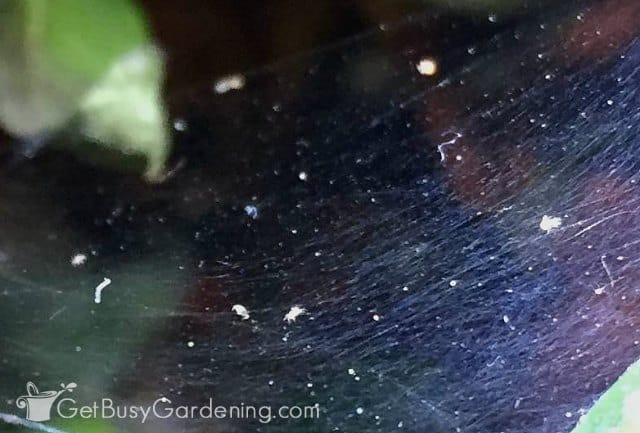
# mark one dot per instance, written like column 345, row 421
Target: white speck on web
column 180, row 125
column 359, row 411
column 78, row 260
column 293, row 313
column 549, row 223
column 303, row 176
column 351, row 372
column 97, row 297
column 190, row 344
column 241, row 311
column 232, row 82
column 251, row 211
column 427, row 66
column 507, row 320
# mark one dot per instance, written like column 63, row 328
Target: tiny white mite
column 549, row 223
column 241, row 311
column 78, row 260
column 293, row 313
column 232, row 82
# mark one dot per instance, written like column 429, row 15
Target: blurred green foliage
column 90, row 61
column 617, row 410
column 82, row 37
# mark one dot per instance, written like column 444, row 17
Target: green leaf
column 124, row 110
column 86, row 36
column 617, row 410
column 90, row 60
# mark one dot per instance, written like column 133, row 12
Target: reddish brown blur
column 602, row 30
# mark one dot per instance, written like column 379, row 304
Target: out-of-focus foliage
column 617, row 410
column 125, row 108
column 87, row 59
column 92, row 425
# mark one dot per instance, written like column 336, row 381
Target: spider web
column 401, row 212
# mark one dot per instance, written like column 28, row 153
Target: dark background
column 206, row 39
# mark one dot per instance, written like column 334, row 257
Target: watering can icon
column 38, row 403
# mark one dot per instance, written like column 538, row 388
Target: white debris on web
column 608, row 272
column 303, row 176
column 293, row 313
column 455, row 136
column 427, row 66
column 251, row 211
column 78, row 260
column 231, row 82
column 549, row 223
column 507, row 320
column 241, row 311
column 180, row 125
column 97, row 297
